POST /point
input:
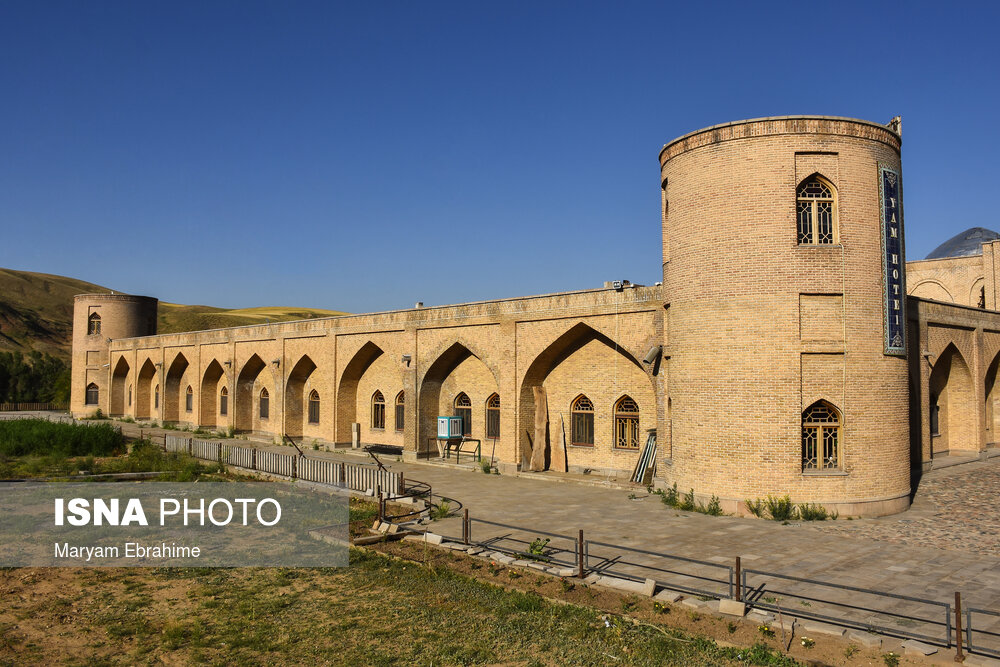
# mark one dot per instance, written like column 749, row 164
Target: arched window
column 313, row 407
column 817, row 214
column 935, row 413
column 265, row 404
column 94, row 324
column 493, row 416
column 189, row 399
column 463, row 409
column 224, row 401
column 378, row 410
column 820, row 437
column 626, row 423
column 583, row 422
column 93, row 394
column 400, row 411
column 130, row 395
column 156, row 397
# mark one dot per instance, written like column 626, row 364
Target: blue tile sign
column 893, row 263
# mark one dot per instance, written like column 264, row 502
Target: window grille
column 493, row 416
column 583, row 421
column 463, row 409
column 816, row 214
column 626, row 423
column 94, row 324
column 156, row 397
column 820, row 437
column 130, row 395
column 265, row 404
column 189, row 399
column 378, row 410
column 313, row 407
column 224, row 401
column 93, row 394
column 400, row 411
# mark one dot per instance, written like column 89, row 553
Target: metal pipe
column 959, row 656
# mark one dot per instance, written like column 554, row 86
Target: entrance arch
column 245, row 393
column 296, row 411
column 144, row 390
column 173, row 388
column 209, row 413
column 952, row 403
column 119, row 381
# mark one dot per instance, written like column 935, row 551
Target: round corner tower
column 97, row 320
column 782, row 261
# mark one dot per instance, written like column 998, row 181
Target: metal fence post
column 959, row 656
column 579, row 550
column 739, row 589
column 378, row 497
column 465, row 526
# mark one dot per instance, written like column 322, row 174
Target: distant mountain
column 36, row 313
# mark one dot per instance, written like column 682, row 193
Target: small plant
column 536, row 550
column 688, row 503
column 661, row 608
column 850, row 650
column 714, row 507
column 567, row 585
column 755, row 507
column 804, row 603
column 890, row 659
column 631, row 496
column 630, row 603
column 780, row 508
column 808, row 643
column 812, row 512
column 440, row 511
column 670, row 497
column 315, row 446
column 485, row 466
column 513, row 574
column 731, row 627
column 765, row 630
column 231, row 432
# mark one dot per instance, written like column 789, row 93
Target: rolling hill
column 36, row 313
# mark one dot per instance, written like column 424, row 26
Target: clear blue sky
column 366, row 157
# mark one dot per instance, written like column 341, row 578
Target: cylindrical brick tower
column 782, row 255
column 97, row 320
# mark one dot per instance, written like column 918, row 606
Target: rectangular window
column 189, row 402
column 265, row 407
column 223, row 405
column 400, row 416
column 583, row 428
column 313, row 412
column 466, row 415
column 492, row 423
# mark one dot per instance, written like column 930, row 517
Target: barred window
column 935, row 412
column 313, row 407
column 130, row 395
column 265, row 404
column 463, row 409
column 626, row 423
column 189, row 399
column 93, row 394
column 400, row 411
column 156, row 397
column 224, row 401
column 378, row 410
column 493, row 416
column 583, row 421
column 821, row 437
column 816, row 210
column 94, row 324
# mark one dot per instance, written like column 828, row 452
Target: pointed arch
column 400, row 422
column 172, row 388
column 296, row 408
column 931, row 289
column 119, row 382
column 456, row 370
column 952, row 403
column 209, row 413
column 378, row 410
column 93, row 395
column 463, row 409
column 144, row 390
column 314, row 405
column 94, row 324
column 264, row 404
column 816, row 211
column 626, row 434
column 992, row 395
column 347, row 392
column 189, row 399
column 245, row 393
column 566, row 351
column 493, row 416
column 821, row 437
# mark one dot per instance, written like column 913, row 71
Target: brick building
column 778, row 355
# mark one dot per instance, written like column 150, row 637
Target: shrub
column 780, row 509
column 670, row 497
column 485, row 466
column 536, row 550
column 440, row 511
column 714, row 507
column 23, row 437
column 688, row 503
column 812, row 512
column 755, row 507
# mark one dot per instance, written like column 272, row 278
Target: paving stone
column 865, row 638
column 649, row 588
column 732, row 607
column 593, row 578
column 760, row 616
column 521, row 562
column 668, row 596
column 980, row 661
column 431, row 538
column 564, row 571
column 816, row 627
column 694, row 603
column 913, row 647
column 539, row 566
